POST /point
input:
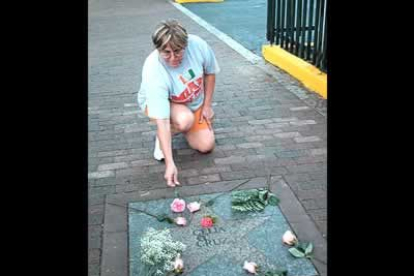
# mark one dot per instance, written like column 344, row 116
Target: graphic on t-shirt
column 193, row 88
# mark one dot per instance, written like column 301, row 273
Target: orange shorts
column 196, row 125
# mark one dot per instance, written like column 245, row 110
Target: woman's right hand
column 171, row 175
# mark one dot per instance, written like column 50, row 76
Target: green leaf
column 251, row 205
column 237, row 208
column 295, row 252
column 309, row 249
column 244, row 195
column 259, row 206
column 273, row 200
column 247, row 207
column 301, row 246
column 240, row 207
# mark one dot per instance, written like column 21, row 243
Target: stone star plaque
column 220, row 250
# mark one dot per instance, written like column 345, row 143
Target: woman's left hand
column 207, row 114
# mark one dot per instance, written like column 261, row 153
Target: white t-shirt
column 183, row 84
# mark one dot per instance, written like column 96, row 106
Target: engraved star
column 227, row 237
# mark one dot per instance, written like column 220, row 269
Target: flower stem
column 177, row 195
column 269, row 179
column 211, row 201
column 135, row 209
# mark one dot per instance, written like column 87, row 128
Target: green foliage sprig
column 253, row 200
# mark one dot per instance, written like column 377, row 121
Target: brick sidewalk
column 260, row 124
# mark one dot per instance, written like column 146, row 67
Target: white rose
column 289, row 238
column 178, row 264
column 193, row 206
column 250, row 267
column 181, row 221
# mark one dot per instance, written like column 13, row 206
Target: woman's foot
column 158, row 155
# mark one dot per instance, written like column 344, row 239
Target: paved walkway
column 243, row 20
column 265, row 121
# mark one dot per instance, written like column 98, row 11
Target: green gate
column 299, row 26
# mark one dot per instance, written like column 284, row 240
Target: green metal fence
column 299, row 26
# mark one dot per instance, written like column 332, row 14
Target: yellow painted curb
column 197, row 1
column 309, row 75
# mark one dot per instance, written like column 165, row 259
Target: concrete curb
column 198, row 1
column 309, row 75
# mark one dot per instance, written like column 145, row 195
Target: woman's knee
column 206, row 146
column 183, row 121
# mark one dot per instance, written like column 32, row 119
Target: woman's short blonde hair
column 170, row 32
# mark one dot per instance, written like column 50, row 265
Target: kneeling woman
column 178, row 80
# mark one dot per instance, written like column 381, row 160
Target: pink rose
column 178, row 205
column 181, row 221
column 250, row 267
column 207, row 222
column 193, row 206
